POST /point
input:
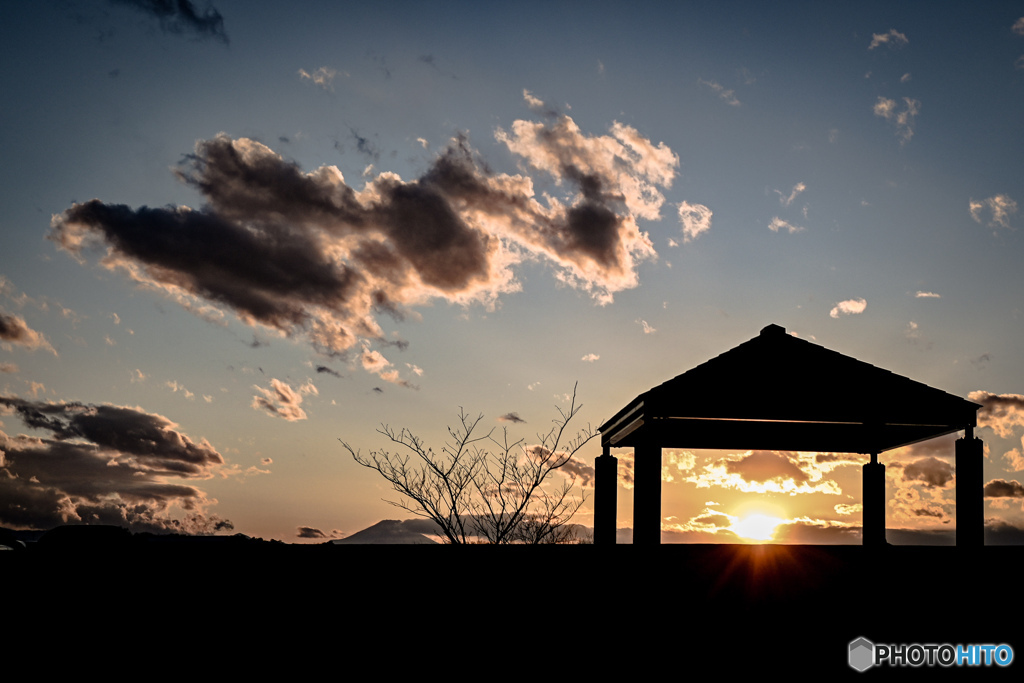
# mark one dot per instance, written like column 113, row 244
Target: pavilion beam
column 970, row 491
column 606, row 472
column 647, row 493
column 873, row 503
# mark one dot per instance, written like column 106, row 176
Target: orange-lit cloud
column 281, row 400
column 14, row 330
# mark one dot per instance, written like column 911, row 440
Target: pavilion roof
column 780, row 392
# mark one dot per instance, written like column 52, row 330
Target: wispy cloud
column 726, row 95
column 175, row 387
column 511, row 417
column 778, row 225
column 892, row 39
column 1018, row 27
column 786, row 200
column 590, row 358
column 903, row 120
column 281, row 400
column 696, row 220
column 926, row 295
column 848, row 307
column 323, row 77
column 375, row 362
column 1000, row 207
column 647, row 328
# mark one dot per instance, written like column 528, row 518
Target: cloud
column 787, row 200
column 8, row 367
column 101, row 464
column 309, row 532
column 1018, row 27
column 182, row 16
column 891, row 39
column 904, row 120
column 648, row 329
column 696, row 220
column 324, row 369
column 764, row 472
column 848, row 307
column 323, row 77
column 1000, row 488
column 728, row 96
column 531, row 101
column 1003, row 413
column 14, row 330
column 930, row 471
column 778, row 224
column 1000, row 206
column 375, row 362
column 762, row 466
column 926, row 295
column 323, row 260
column 281, row 400
column 590, row 358
column 511, row 417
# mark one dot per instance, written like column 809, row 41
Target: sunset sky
column 235, row 233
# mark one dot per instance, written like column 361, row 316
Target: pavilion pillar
column 606, row 473
column 873, row 503
column 970, row 491
column 647, row 493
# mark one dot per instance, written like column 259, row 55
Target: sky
column 235, row 233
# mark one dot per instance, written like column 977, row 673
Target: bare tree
column 482, row 487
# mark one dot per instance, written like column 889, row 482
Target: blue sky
column 851, row 173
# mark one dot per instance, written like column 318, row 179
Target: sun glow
column 756, row 527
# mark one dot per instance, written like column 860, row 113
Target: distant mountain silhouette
column 389, row 532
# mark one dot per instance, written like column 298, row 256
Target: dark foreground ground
column 684, row 612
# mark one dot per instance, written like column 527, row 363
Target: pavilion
column 779, row 392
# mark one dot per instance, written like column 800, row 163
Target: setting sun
column 756, row 527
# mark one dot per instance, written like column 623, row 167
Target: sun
column 756, row 527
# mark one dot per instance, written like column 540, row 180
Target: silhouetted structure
column 778, row 392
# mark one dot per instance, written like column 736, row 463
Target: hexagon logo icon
column 862, row 654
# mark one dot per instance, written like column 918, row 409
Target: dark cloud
column 182, row 16
column 817, row 532
column 1000, row 532
column 511, row 417
column 365, row 146
column 713, row 519
column 821, row 458
column 930, row 471
column 762, row 466
column 324, row 369
column 309, row 532
column 16, row 331
column 102, row 465
column 323, row 260
column 150, row 441
column 1000, row 488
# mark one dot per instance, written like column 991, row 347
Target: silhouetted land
column 588, row 608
